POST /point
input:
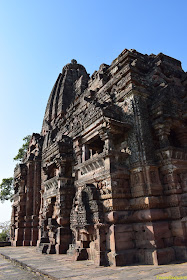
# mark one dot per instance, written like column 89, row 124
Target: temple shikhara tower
column 106, row 179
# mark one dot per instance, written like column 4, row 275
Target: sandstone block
column 165, row 255
column 180, row 252
column 126, row 257
column 124, row 245
column 150, row 215
column 177, row 228
column 168, row 242
column 149, row 244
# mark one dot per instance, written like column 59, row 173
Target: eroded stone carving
column 107, row 177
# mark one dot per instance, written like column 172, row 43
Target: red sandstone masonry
column 106, row 178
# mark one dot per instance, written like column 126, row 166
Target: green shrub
column 4, row 231
column 4, row 235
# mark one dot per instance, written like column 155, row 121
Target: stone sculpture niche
column 86, row 224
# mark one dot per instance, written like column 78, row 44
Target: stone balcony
column 91, row 164
column 51, row 184
column 98, row 162
column 172, row 153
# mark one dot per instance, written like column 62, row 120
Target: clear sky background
column 38, row 37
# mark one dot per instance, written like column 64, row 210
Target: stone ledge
column 5, row 243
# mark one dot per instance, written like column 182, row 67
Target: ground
column 10, row 271
column 17, row 263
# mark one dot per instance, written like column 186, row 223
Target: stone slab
column 62, row 267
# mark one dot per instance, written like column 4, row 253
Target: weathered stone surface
column 106, row 179
column 60, row 267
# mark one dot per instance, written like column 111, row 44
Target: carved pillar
column 40, row 227
column 101, row 253
column 37, row 185
column 19, row 211
column 63, row 240
column 29, row 204
column 78, row 152
column 22, row 199
column 163, row 131
column 36, row 201
column 106, row 136
column 85, row 152
column 63, row 204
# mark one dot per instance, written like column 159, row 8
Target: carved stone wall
column 106, row 178
column 26, row 205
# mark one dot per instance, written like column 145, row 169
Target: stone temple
column 106, row 179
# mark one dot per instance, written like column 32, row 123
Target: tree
column 6, row 187
column 5, row 231
column 22, row 151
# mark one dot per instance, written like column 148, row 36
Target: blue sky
column 37, row 38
